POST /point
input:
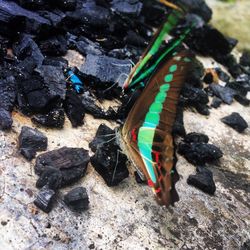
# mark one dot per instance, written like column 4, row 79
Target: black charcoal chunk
column 31, row 141
column 72, row 162
column 5, row 119
column 222, row 75
column 196, row 137
column 53, row 119
column 106, row 69
column 45, row 199
column 208, row 78
column 103, row 135
column 138, row 179
column 198, row 7
column 216, row 102
column 33, row 4
column 86, row 47
column 226, row 94
column 241, row 84
column 199, row 153
column 74, row 108
column 203, row 180
column 14, row 18
column 245, row 58
column 77, row 199
column 135, row 39
column 66, row 5
column 242, row 100
column 51, row 177
column 54, row 46
column 235, row 121
column 110, row 163
column 127, row 7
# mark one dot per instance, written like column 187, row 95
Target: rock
column 110, row 163
column 203, row 180
column 104, row 69
column 208, row 78
column 216, row 102
column 235, row 121
column 33, row 4
column 45, row 199
column 53, row 119
column 5, row 119
column 74, row 108
column 245, row 58
column 51, row 177
column 196, row 137
column 103, row 135
column 135, row 39
column 72, row 162
column 241, row 84
column 54, row 46
column 226, row 94
column 77, row 199
column 199, row 153
column 31, row 141
column 127, row 7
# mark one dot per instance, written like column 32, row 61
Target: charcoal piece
column 66, row 5
column 110, row 163
column 209, row 42
column 13, row 16
column 54, row 119
column 54, row 80
column 33, row 4
column 28, row 153
column 216, row 102
column 8, row 92
column 208, row 78
column 198, row 7
column 226, row 94
column 106, row 69
column 242, row 100
column 28, row 52
column 241, row 84
column 91, row 15
column 77, row 199
column 91, row 108
column 103, row 135
column 103, row 3
column 235, row 121
column 45, row 199
column 195, row 97
column 72, row 162
column 54, row 46
column 230, row 62
column 222, row 75
column 74, row 108
column 31, row 141
column 135, row 39
column 196, row 137
column 56, row 62
column 245, row 58
column 195, row 74
column 86, row 47
column 203, row 180
column 199, row 153
column 51, row 177
column 127, row 7
column 55, row 17
column 5, row 119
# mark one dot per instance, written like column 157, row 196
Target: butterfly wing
column 147, row 131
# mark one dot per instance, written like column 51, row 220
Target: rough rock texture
column 236, row 121
column 198, row 221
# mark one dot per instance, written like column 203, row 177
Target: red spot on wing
column 158, row 190
column 133, row 134
column 150, row 183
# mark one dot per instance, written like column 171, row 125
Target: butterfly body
column 147, row 132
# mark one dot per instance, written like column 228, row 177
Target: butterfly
column 147, row 132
